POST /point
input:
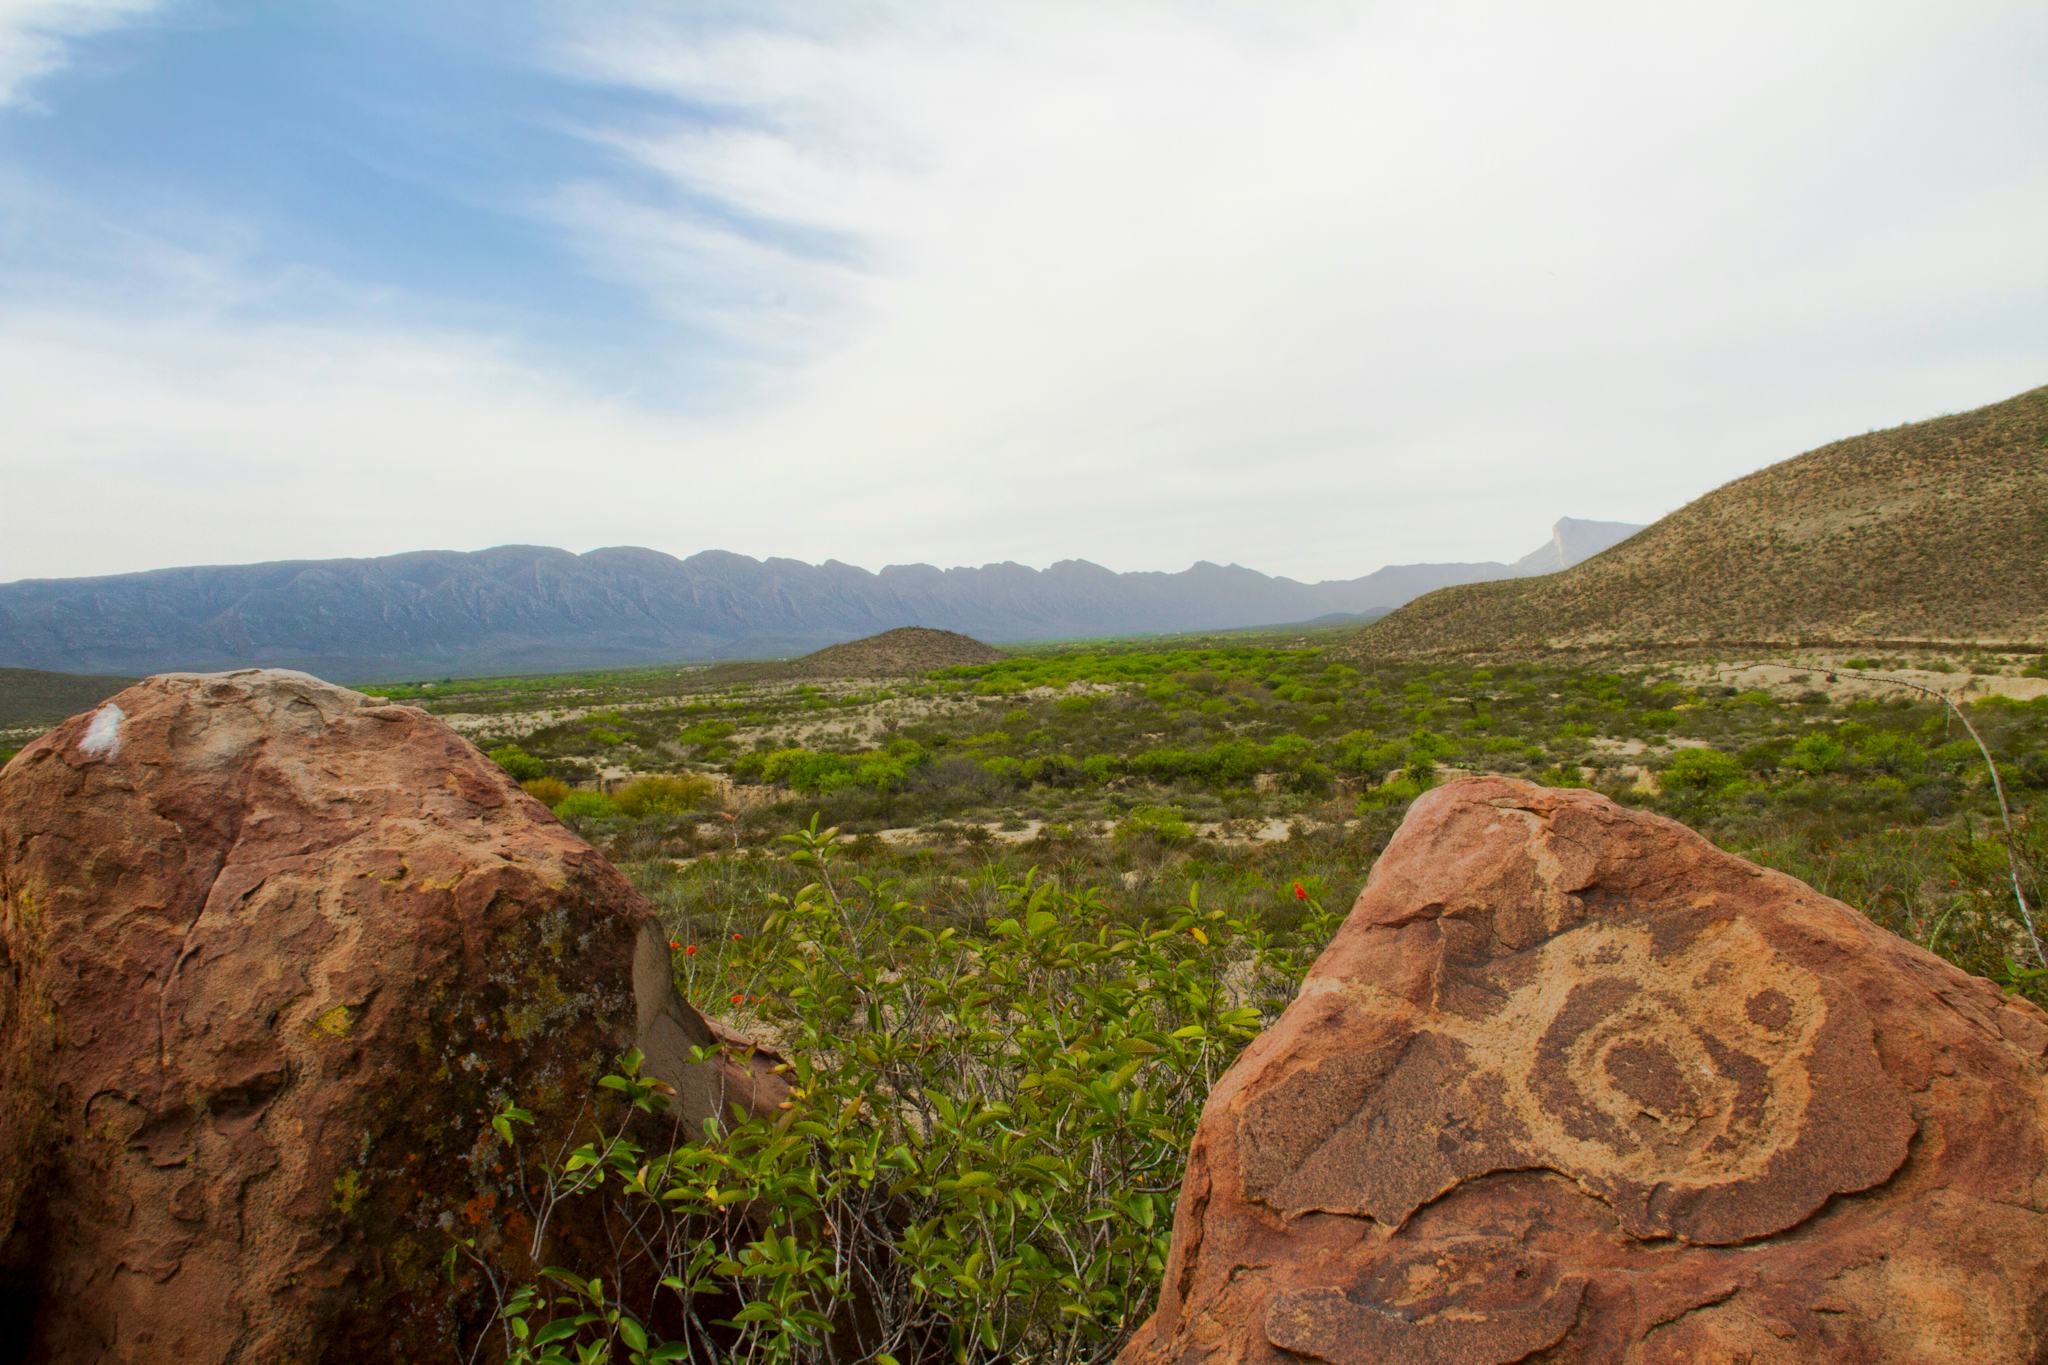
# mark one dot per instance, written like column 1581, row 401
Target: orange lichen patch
column 475, row 1210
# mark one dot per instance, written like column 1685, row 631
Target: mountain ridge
column 514, row 608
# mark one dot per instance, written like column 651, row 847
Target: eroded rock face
column 270, row 955
column 1570, row 1083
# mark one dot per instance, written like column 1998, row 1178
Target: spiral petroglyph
column 1571, row 1082
column 1648, row 1072
column 1674, row 1083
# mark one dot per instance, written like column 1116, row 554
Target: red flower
column 690, row 951
column 737, row 998
column 735, row 938
column 1299, row 894
column 673, row 945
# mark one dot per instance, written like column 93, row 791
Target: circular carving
column 1655, row 1068
column 1701, row 1083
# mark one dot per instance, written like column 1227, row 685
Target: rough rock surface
column 270, row 955
column 1572, row 1084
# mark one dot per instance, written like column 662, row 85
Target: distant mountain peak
column 1573, row 540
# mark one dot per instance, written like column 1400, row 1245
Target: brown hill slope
column 1936, row 531
column 31, row 696
column 905, row 650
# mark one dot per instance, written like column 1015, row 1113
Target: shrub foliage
column 983, row 1142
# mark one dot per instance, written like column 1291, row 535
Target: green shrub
column 585, row 805
column 705, row 732
column 981, row 1143
column 523, row 766
column 1054, row 770
column 1399, row 792
column 549, row 791
column 1005, row 769
column 1162, row 824
column 1701, row 771
column 802, row 770
column 665, row 795
column 1312, row 778
column 1816, row 754
column 1888, row 751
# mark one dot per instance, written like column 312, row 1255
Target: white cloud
column 185, row 438
column 1137, row 283
column 1354, row 282
column 35, row 36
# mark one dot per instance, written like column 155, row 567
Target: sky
column 1308, row 287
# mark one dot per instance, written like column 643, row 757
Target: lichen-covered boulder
column 1572, row 1084
column 271, row 954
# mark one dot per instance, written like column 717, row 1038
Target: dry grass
column 1932, row 532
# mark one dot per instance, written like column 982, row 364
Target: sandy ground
column 1828, row 676
column 1241, row 833
column 859, row 727
column 481, row 728
column 852, row 726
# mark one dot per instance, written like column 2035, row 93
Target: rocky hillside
column 907, row 650
column 522, row 608
column 1936, row 531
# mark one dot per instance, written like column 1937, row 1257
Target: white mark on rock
column 103, row 736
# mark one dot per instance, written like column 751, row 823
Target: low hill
column 894, row 653
column 1932, row 532
column 31, row 696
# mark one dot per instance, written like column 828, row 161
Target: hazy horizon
column 1313, row 291
column 721, row 550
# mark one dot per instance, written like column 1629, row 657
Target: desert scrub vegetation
column 982, row 1145
column 1042, row 757
column 1016, row 877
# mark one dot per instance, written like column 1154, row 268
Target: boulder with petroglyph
column 1571, row 1083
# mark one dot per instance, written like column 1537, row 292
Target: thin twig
column 2012, row 856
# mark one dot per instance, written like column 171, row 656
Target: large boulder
column 1572, row 1084
column 271, row 954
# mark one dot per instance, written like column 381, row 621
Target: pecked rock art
column 270, row 954
column 1572, row 1084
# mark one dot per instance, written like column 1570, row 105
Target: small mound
column 894, row 653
